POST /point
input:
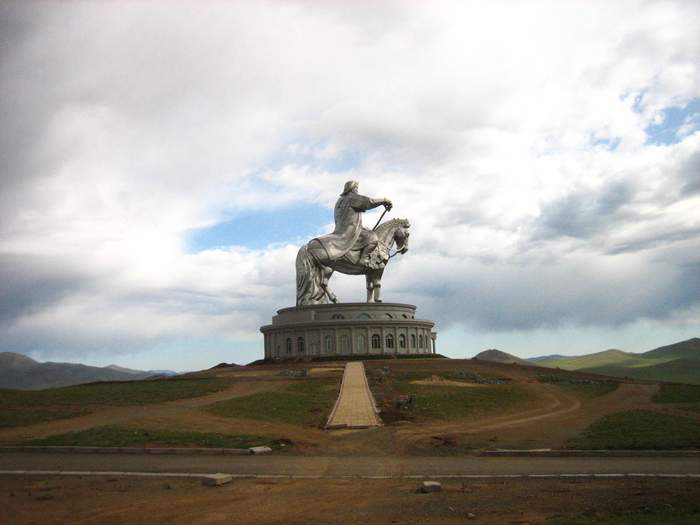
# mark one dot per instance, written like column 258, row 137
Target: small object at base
column 432, row 486
column 260, row 450
column 216, row 479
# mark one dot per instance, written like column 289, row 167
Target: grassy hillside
column 678, row 371
column 609, row 357
column 496, row 356
column 689, row 348
column 679, row 362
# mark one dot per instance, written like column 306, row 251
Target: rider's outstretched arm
column 378, row 202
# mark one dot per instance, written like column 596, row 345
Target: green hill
column 497, row 356
column 679, row 362
column 607, row 357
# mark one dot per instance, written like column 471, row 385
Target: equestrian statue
column 351, row 249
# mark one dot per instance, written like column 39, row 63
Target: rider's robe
column 348, row 232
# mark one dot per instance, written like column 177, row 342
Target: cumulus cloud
column 516, row 137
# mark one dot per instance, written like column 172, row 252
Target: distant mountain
column 20, row 372
column 679, row 362
column 125, row 370
column 500, row 357
column 543, row 357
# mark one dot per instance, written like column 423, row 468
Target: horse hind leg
column 370, row 290
column 326, row 273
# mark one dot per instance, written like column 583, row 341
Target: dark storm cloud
column 30, row 284
column 655, row 238
column 689, row 175
column 585, row 289
column 586, row 213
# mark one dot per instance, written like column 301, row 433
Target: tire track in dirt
column 555, row 403
column 546, row 420
column 173, row 410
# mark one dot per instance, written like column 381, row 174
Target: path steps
column 355, row 407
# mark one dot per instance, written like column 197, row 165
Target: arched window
column 413, row 340
column 361, row 343
column 289, row 345
column 390, row 341
column 337, row 316
column 420, row 341
column 404, row 316
column 376, row 342
column 388, row 316
column 402, row 341
column 328, row 344
column 364, row 316
column 344, row 343
column 300, row 344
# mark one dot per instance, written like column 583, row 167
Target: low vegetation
column 677, row 394
column 115, row 436
column 640, row 430
column 457, row 402
column 306, row 402
column 590, row 391
column 450, row 375
column 25, row 407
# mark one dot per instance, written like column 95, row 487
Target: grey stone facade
column 348, row 329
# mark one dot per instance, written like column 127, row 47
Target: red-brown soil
column 111, row 501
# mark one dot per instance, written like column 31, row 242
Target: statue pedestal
column 348, row 329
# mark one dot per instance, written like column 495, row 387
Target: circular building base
column 348, row 329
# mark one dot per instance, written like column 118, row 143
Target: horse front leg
column 374, row 288
column 377, row 278
column 378, row 292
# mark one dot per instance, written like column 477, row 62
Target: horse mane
column 391, row 224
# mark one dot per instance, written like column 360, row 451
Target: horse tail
column 309, row 289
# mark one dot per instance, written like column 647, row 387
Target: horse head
column 395, row 231
column 401, row 236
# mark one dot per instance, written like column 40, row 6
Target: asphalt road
column 346, row 466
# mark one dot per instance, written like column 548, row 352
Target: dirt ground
column 173, row 501
column 553, row 417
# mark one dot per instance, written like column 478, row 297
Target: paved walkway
column 355, row 406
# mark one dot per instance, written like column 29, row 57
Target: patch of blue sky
column 257, row 229
column 677, row 122
column 609, row 144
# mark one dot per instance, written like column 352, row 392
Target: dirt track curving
column 555, row 416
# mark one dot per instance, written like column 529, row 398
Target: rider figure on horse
column 349, row 233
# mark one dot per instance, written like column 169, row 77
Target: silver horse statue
column 314, row 266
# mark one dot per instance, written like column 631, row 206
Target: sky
column 163, row 162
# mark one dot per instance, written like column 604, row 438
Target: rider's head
column 350, row 185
